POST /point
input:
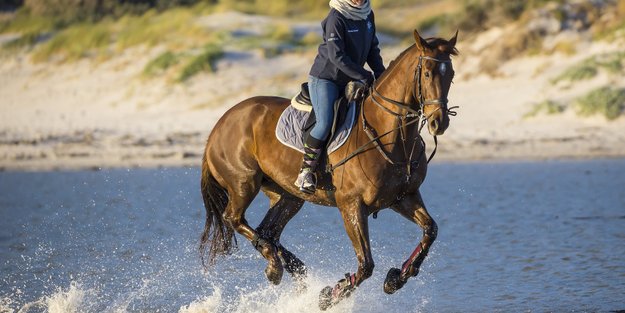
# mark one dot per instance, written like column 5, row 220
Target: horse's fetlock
column 432, row 231
column 366, row 271
column 231, row 220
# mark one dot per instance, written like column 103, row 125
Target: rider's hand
column 369, row 80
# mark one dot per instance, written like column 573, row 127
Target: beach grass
column 24, row 41
column 78, row 41
column 548, row 107
column 203, row 62
column 613, row 63
column 606, row 101
column 160, row 64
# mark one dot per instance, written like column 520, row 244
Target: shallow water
column 540, row 237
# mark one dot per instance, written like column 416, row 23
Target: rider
column 349, row 40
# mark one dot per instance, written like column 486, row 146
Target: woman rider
column 349, row 40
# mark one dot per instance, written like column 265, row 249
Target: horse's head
column 433, row 78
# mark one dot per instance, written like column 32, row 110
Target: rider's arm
column 374, row 59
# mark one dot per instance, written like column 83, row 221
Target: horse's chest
column 392, row 189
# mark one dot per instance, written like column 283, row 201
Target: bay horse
column 371, row 172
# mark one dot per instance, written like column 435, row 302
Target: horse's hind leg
column 283, row 207
column 241, row 194
column 412, row 208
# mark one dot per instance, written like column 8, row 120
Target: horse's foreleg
column 357, row 228
column 283, row 208
column 412, row 208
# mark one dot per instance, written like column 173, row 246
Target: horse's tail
column 217, row 238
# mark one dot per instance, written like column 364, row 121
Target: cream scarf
column 350, row 10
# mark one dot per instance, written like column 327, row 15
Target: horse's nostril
column 434, row 125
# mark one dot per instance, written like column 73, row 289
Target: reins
column 415, row 115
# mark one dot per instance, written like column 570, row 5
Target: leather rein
column 411, row 116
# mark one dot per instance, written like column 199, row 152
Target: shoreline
column 185, row 159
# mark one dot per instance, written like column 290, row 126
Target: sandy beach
column 100, row 114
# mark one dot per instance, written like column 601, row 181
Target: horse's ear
column 452, row 41
column 421, row 43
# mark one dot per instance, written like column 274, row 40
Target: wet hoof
column 393, row 281
column 325, row 298
column 274, row 271
column 329, row 296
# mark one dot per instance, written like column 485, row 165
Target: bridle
column 411, row 116
column 417, row 94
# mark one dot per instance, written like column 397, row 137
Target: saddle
column 298, row 120
column 353, row 92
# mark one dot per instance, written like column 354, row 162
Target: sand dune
column 103, row 114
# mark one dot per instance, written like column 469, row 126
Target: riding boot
column 307, row 178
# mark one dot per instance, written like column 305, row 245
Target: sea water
column 531, row 236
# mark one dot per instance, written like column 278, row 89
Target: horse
column 370, row 172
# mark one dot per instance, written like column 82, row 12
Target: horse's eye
column 427, row 74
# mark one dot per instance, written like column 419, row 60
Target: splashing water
column 70, row 300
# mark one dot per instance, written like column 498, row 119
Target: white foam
column 205, row 305
column 271, row 299
column 66, row 301
column 5, row 305
column 71, row 300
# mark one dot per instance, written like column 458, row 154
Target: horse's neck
column 395, row 84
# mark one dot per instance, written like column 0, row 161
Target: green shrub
column 546, row 107
column 153, row 28
column 272, row 51
column 589, row 68
column 607, row 101
column 585, row 70
column 23, row 22
column 613, row 62
column 310, row 39
column 75, row 42
column 26, row 40
column 160, row 64
column 204, row 62
column 437, row 20
column 281, row 33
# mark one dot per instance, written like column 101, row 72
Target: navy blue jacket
column 347, row 45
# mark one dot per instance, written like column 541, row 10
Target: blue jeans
column 323, row 93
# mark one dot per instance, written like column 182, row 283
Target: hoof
column 274, row 272
column 393, row 281
column 325, row 298
column 330, row 296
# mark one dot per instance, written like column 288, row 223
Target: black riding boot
column 307, row 179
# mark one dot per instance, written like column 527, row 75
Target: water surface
column 546, row 236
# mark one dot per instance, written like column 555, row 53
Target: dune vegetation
column 64, row 31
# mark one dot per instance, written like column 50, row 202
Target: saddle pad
column 291, row 123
